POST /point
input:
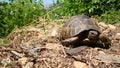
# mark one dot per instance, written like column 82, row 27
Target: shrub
column 18, row 13
column 88, row 7
column 111, row 17
column 106, row 10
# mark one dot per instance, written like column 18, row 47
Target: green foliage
column 18, row 13
column 88, row 7
column 106, row 10
column 111, row 17
column 4, row 41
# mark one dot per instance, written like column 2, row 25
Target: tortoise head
column 93, row 35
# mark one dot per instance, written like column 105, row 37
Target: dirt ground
column 38, row 46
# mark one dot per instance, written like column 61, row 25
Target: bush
column 106, row 10
column 111, row 17
column 88, row 7
column 18, row 13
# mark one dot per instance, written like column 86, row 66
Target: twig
column 6, row 49
column 90, row 57
column 63, row 50
column 17, row 54
column 46, row 63
column 59, row 65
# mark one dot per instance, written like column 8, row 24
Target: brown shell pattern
column 78, row 24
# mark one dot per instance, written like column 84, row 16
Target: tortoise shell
column 78, row 24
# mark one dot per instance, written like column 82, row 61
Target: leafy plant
column 88, row 7
column 106, row 10
column 17, row 13
column 111, row 17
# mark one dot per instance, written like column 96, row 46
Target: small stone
column 103, row 25
column 95, row 62
column 23, row 60
column 101, row 52
column 29, row 65
column 112, row 27
column 54, row 32
column 78, row 64
column 117, row 36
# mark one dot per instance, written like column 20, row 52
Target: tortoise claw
column 69, row 41
column 65, row 42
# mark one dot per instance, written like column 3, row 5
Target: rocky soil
column 38, row 46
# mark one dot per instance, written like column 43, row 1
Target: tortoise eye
column 93, row 33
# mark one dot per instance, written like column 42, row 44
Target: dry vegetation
column 38, row 46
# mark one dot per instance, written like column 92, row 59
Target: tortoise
column 82, row 30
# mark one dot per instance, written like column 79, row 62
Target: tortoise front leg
column 105, row 41
column 69, row 41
